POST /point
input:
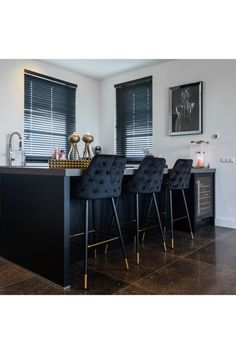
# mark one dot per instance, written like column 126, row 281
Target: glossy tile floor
column 206, row 265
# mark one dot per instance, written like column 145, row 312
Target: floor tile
column 32, row 286
column 185, row 277
column 222, row 254
column 98, row 283
column 113, row 263
column 184, row 245
column 133, row 290
column 10, row 274
column 215, row 232
column 224, row 284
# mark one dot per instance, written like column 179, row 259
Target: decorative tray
column 82, row 163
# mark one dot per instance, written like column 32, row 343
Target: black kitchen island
column 38, row 216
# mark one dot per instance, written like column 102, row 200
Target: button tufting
column 105, row 171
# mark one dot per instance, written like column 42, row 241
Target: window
column 134, row 118
column 49, row 115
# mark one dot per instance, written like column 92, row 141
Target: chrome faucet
column 10, row 157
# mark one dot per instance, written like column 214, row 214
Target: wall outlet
column 227, row 159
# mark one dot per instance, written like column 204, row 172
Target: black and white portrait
column 186, row 109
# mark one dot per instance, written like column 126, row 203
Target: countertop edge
column 74, row 172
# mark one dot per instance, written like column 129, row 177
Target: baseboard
column 225, row 223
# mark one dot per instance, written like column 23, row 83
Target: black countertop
column 73, row 172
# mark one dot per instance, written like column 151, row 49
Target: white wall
column 219, row 116
column 97, row 113
column 12, row 99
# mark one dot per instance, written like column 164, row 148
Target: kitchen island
column 38, row 216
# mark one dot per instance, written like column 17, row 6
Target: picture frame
column 186, row 108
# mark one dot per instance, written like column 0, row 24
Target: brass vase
column 87, row 139
column 74, row 153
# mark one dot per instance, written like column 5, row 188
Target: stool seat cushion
column 149, row 176
column 102, row 179
column 179, row 176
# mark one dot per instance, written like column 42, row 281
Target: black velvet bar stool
column 178, row 178
column 102, row 180
column 147, row 180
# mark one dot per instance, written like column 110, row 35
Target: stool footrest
column 103, row 242
column 180, row 218
column 149, row 227
column 81, row 233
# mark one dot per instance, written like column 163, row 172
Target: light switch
column 227, row 159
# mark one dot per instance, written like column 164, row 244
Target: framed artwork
column 186, row 109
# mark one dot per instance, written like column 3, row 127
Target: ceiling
column 100, row 69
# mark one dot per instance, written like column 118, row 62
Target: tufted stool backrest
column 102, row 179
column 149, row 176
column 179, row 176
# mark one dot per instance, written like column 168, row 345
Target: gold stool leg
column 126, row 264
column 85, row 281
column 164, row 245
column 137, row 258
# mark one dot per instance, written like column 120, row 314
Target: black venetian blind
column 134, row 118
column 49, row 115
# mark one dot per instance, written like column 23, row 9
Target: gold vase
column 87, row 139
column 74, row 138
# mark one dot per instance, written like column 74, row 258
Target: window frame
column 69, row 125
column 127, row 87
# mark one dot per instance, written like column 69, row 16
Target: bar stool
column 147, row 180
column 178, row 178
column 102, row 180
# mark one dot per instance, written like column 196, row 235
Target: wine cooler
column 200, row 198
column 204, row 197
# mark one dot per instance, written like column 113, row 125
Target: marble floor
column 205, row 265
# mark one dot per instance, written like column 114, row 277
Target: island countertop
column 75, row 172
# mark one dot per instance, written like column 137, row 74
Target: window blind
column 49, row 115
column 134, row 118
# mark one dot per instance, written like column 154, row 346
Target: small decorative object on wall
column 186, row 109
